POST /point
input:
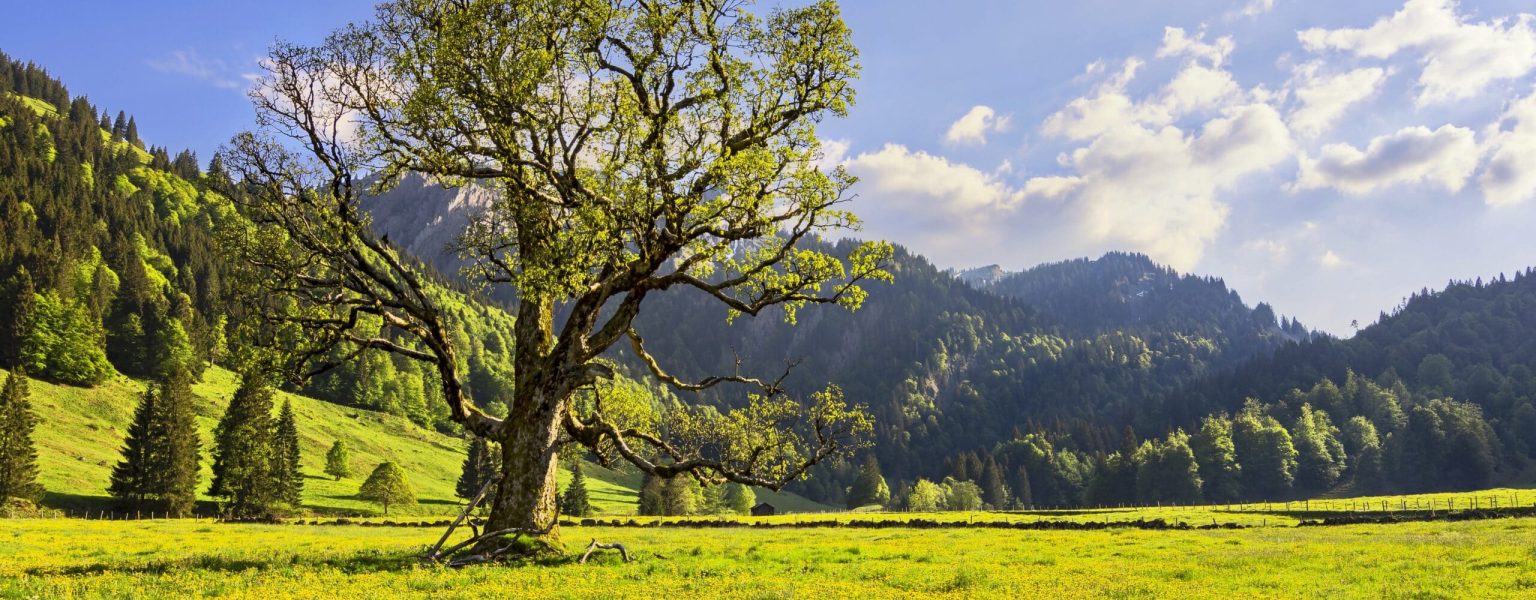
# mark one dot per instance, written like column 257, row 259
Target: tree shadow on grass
column 354, row 564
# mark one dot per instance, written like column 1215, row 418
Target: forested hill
column 1128, row 291
column 943, row 365
column 109, row 261
column 1472, row 341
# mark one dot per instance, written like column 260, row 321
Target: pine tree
column 338, row 460
column 869, row 487
column 242, row 464
column 652, row 496
column 387, row 486
column 131, row 134
column 179, row 444
column 575, row 502
column 479, row 467
column 120, row 126
column 17, row 317
column 18, row 455
column 132, row 480
column 993, row 490
column 290, row 476
column 1022, row 493
column 159, row 469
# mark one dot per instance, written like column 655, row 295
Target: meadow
column 162, row 558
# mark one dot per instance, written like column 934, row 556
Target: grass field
column 79, row 441
column 74, row 558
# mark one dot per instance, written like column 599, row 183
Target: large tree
column 634, row 148
column 243, row 453
column 159, row 470
column 18, row 455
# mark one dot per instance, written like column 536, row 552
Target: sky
column 1329, row 158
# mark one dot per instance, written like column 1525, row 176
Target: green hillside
column 81, row 431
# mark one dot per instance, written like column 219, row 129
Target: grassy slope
column 81, row 435
column 82, row 429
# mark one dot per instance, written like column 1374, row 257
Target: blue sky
column 1327, row 157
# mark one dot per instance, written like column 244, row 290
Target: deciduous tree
column 634, row 148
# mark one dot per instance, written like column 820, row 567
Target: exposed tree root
column 596, row 546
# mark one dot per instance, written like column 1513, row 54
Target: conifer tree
column 132, row 480
column 131, row 134
column 286, row 457
column 242, row 465
column 575, row 502
column 159, row 469
column 338, row 460
column 1022, row 493
column 652, row 496
column 869, row 487
column 993, row 491
column 178, row 444
column 18, row 456
column 17, row 315
column 479, row 467
column 387, row 486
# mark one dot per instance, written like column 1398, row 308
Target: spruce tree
column 17, row 317
column 479, row 467
column 131, row 134
column 575, row 502
column 286, row 457
column 993, row 490
column 132, row 482
column 869, row 487
column 338, row 461
column 18, row 456
column 1022, row 492
column 387, row 486
column 242, row 465
column 652, row 496
column 159, row 469
column 179, row 444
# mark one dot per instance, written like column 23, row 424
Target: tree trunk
column 525, row 495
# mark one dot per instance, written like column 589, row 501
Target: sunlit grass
column 1484, row 559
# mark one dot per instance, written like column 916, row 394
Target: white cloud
column 1446, row 157
column 211, row 70
column 921, row 180
column 1322, row 99
column 1255, row 8
column 1331, row 260
column 1153, row 170
column 1156, row 190
column 975, row 125
column 1510, row 175
column 1276, row 250
column 1177, row 43
column 1459, row 58
column 1051, row 187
